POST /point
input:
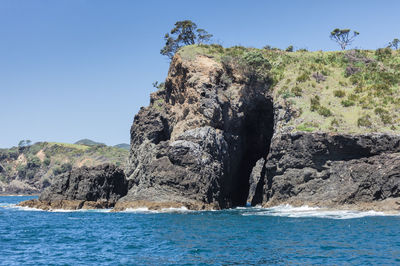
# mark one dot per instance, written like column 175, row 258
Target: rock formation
column 332, row 169
column 96, row 187
column 213, row 139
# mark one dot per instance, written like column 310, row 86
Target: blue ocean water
column 249, row 236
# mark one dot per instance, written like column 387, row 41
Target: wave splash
column 182, row 209
column 143, row 210
column 313, row 212
column 280, row 211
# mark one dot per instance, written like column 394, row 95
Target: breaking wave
column 313, row 212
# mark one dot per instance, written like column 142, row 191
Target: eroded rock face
column 105, row 182
column 204, row 142
column 211, row 140
column 88, row 188
column 332, row 170
column 200, row 137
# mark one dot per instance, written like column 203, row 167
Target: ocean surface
column 248, row 236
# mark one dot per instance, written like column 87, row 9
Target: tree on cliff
column 395, row 44
column 24, row 143
column 343, row 37
column 184, row 33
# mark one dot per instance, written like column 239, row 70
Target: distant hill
column 88, row 142
column 32, row 168
column 123, row 146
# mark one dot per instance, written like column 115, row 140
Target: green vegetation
column 88, row 142
column 395, row 44
column 339, row 93
column 59, row 169
column 289, row 49
column 355, row 83
column 123, row 146
column 184, row 33
column 44, row 160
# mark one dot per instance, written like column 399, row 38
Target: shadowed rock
column 96, row 187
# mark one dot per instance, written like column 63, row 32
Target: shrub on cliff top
column 383, row 53
column 256, row 66
column 184, row 33
column 395, row 43
column 364, row 121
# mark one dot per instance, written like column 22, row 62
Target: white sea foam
column 20, row 208
column 182, row 209
column 25, row 208
column 313, row 212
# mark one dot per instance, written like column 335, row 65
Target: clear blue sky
column 82, row 69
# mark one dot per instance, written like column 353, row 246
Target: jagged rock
column 332, row 169
column 257, row 182
column 208, row 143
column 96, row 187
column 104, row 182
column 201, row 142
column 197, row 142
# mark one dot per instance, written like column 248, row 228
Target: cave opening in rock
column 255, row 139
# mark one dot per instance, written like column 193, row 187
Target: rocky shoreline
column 388, row 206
column 205, row 143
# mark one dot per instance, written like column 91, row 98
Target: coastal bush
column 47, row 161
column 287, row 94
column 339, row 93
column 3, row 178
column 383, row 53
column 289, row 49
column 395, row 44
column 235, row 51
column 305, row 127
column 347, row 103
column 383, row 115
column 297, row 91
column 335, row 122
column 303, row 77
column 33, row 162
column 314, row 103
column 21, row 170
column 322, row 110
column 270, row 48
column 30, row 173
column 65, row 167
column 257, row 66
column 364, row 121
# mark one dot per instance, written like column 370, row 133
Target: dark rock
column 198, row 142
column 206, row 143
column 100, row 183
column 257, row 182
column 325, row 169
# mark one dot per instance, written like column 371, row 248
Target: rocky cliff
column 87, row 187
column 224, row 132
